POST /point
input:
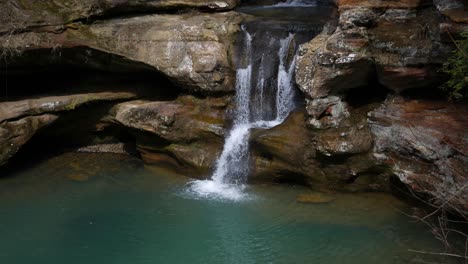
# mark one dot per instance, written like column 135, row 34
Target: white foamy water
column 232, row 167
column 210, row 189
column 285, row 90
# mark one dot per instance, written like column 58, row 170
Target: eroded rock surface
column 20, row 120
column 191, row 49
column 15, row 109
column 396, row 42
column 394, row 46
column 186, row 134
column 453, row 9
column 425, row 142
column 335, row 158
column 19, row 15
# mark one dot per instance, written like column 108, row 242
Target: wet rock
column 425, row 142
column 334, row 158
column 279, row 155
column 200, row 155
column 186, row 134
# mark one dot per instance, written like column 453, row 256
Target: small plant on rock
column 457, row 69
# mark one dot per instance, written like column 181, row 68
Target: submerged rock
column 315, row 198
column 116, row 148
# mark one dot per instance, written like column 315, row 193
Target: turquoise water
column 95, row 208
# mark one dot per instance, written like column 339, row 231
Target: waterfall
column 232, row 166
column 285, row 91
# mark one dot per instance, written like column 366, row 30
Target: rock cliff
column 391, row 49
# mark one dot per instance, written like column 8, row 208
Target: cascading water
column 232, row 167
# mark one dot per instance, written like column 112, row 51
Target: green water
column 95, row 208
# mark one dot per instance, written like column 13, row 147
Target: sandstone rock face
column 454, row 9
column 20, row 15
column 336, row 158
column 185, row 134
column 20, row 120
column 397, row 45
column 278, row 154
column 392, row 39
column 327, row 112
column 13, row 110
column 190, row 49
column 425, row 142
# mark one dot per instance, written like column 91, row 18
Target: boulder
column 334, row 158
column 425, row 144
column 186, row 134
column 280, row 156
